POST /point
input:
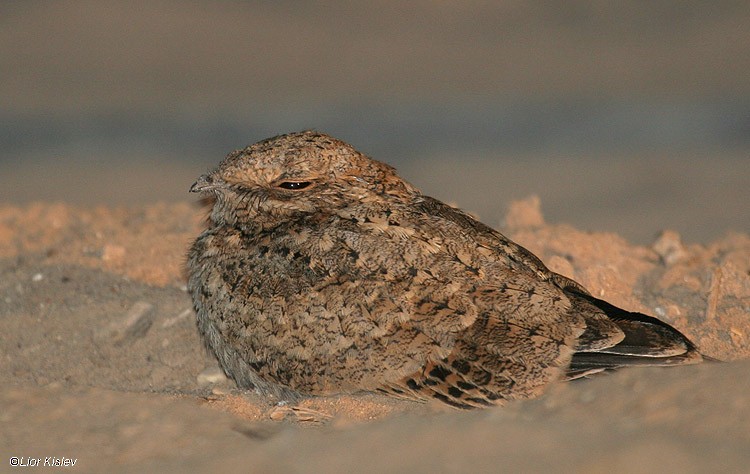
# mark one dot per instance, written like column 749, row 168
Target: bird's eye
column 294, row 185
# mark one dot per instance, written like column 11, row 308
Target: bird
column 322, row 272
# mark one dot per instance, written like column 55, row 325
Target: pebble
column 669, row 247
column 132, row 326
column 211, row 375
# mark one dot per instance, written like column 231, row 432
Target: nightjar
column 321, row 272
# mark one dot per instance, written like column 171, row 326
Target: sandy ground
column 103, row 364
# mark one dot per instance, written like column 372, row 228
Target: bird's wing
column 645, row 341
column 613, row 337
column 502, row 328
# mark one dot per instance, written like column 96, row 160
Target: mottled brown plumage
column 323, row 272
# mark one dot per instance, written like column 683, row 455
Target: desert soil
column 103, row 365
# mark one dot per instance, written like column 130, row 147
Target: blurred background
column 629, row 116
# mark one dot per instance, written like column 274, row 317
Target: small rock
column 669, row 247
column 134, row 325
column 211, row 375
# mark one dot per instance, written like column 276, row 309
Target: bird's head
column 300, row 173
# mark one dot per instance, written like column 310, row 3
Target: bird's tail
column 647, row 341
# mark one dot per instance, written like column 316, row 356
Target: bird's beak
column 205, row 183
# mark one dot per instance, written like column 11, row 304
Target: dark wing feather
column 646, row 341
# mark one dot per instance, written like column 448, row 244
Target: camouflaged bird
column 323, row 272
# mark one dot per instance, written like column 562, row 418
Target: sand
column 103, row 364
